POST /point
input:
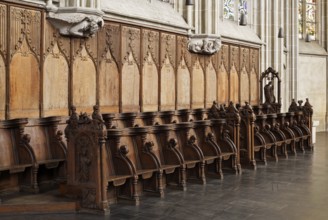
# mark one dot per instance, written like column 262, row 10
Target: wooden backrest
column 12, row 149
column 165, row 148
column 46, row 140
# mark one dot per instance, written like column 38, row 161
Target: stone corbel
column 75, row 22
column 204, row 44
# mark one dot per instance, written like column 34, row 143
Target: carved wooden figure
column 87, row 172
column 248, row 136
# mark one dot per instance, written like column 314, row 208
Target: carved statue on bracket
column 269, row 102
column 76, row 24
column 206, row 45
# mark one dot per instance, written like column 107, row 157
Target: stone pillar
column 49, row 3
column 189, row 15
column 98, row 5
column 315, row 124
column 208, row 16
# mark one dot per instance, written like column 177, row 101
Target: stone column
column 208, row 16
column 98, row 4
column 189, row 15
column 49, row 3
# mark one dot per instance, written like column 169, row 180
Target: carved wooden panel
column 234, row 58
column 55, row 83
column 109, row 84
column 24, row 83
column 223, row 57
column 211, row 85
column 168, row 49
column 109, row 77
column 254, row 88
column 3, row 53
column 2, row 87
column 254, row 60
column 109, row 38
column 130, row 84
column 83, row 80
column 198, row 86
column 223, row 85
column 167, row 79
column 234, row 85
column 150, row 44
column 3, row 28
column 183, row 86
column 131, row 43
column 52, row 37
column 25, row 23
column 245, row 58
column 254, row 76
column 149, row 85
column 182, row 51
column 244, row 86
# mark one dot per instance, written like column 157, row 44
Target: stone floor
column 296, row 188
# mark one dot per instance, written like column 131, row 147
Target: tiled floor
column 296, row 188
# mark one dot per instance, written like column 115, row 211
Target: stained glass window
column 243, row 7
column 307, row 18
column 229, row 9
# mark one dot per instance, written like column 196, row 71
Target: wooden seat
column 45, row 139
column 268, row 136
column 192, row 153
column 171, row 159
column 17, row 159
column 226, row 148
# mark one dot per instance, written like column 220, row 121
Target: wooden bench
column 264, row 129
column 227, row 150
column 303, row 119
column 17, row 159
column 194, row 159
column 230, row 132
column 44, row 138
column 171, row 159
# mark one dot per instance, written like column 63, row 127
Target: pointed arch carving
column 24, row 88
column 168, row 90
column 223, row 85
column 151, row 45
column 234, row 85
column 130, row 84
column 211, row 85
column 131, row 43
column 2, row 87
column 83, row 80
column 110, row 35
column 149, row 84
column 168, row 49
column 254, row 87
column 183, row 85
column 244, row 86
column 198, row 86
column 3, row 28
column 55, row 83
column 109, row 83
column 25, row 24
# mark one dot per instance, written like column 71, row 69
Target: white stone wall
column 312, row 84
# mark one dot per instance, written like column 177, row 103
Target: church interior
column 163, row 109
